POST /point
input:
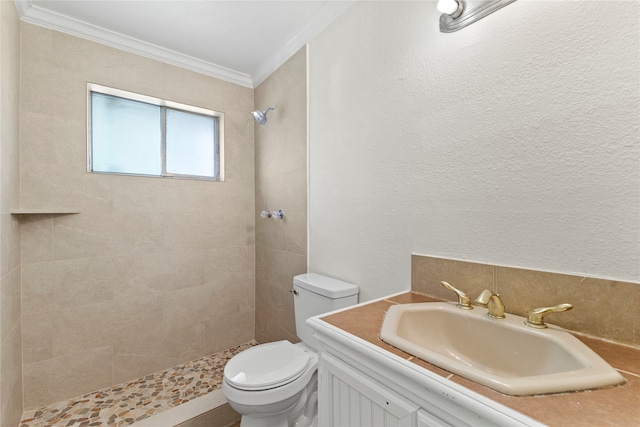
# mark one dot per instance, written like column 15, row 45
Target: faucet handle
column 496, row 307
column 536, row 316
column 464, row 302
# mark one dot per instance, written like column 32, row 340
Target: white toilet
column 276, row 384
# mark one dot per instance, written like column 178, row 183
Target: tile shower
column 150, row 273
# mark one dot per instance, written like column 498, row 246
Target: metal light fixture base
column 470, row 14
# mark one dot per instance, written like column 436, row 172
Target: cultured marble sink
column 502, row 354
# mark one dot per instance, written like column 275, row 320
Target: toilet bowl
column 271, row 384
column 275, row 384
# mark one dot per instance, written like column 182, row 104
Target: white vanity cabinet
column 357, row 400
column 363, row 385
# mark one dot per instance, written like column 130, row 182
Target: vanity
column 364, row 381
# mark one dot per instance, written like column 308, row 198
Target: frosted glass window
column 126, row 136
column 190, row 150
column 140, row 135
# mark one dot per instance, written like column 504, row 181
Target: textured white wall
column 514, row 141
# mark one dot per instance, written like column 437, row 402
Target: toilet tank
column 317, row 294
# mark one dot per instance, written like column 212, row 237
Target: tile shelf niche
column 43, row 211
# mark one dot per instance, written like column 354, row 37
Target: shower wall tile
column 37, row 337
column 133, row 280
column 10, row 302
column 89, row 326
column 137, row 357
column 60, row 284
column 281, row 183
column 10, row 360
column 289, row 235
column 601, row 307
column 67, row 376
column 10, row 260
column 10, row 244
column 278, row 267
column 227, row 331
column 36, row 238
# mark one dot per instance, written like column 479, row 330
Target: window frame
column 164, row 105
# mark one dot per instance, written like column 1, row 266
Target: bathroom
column 513, row 142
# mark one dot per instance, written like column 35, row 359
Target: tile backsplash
column 602, row 307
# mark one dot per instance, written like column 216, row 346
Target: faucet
column 486, row 299
column 483, row 298
column 496, row 307
column 536, row 316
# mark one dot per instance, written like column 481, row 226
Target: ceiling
column 241, row 41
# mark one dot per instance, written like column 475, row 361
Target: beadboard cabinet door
column 353, row 399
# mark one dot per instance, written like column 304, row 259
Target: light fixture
column 457, row 14
column 453, row 8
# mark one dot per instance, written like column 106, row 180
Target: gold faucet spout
column 483, row 299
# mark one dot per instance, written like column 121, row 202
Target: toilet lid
column 266, row 366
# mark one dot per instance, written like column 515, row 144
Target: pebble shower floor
column 123, row 404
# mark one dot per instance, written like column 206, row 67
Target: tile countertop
column 617, row 406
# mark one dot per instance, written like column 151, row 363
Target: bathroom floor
column 123, row 404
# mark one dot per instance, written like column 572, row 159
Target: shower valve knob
column 265, row 214
column 279, row 214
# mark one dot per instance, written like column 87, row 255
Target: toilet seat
column 266, row 366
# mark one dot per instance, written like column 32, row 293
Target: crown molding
column 45, row 18
column 325, row 14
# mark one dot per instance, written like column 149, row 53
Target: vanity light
column 453, row 8
column 457, row 14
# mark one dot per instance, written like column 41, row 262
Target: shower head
column 261, row 116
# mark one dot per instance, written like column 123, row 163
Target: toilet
column 276, row 384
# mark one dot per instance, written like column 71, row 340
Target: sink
column 502, row 354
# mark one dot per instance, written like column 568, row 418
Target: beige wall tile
column 226, row 331
column 36, row 238
column 10, row 244
column 10, row 297
column 281, row 183
column 160, row 271
column 197, row 304
column 270, row 301
column 67, row 376
column 108, row 234
column 89, row 326
column 279, row 267
column 58, row 284
column 232, row 268
column 288, row 235
column 601, row 307
column 469, row 277
column 11, row 372
column 138, row 357
column 10, row 302
column 37, row 337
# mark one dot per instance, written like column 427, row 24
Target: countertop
column 617, row 406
